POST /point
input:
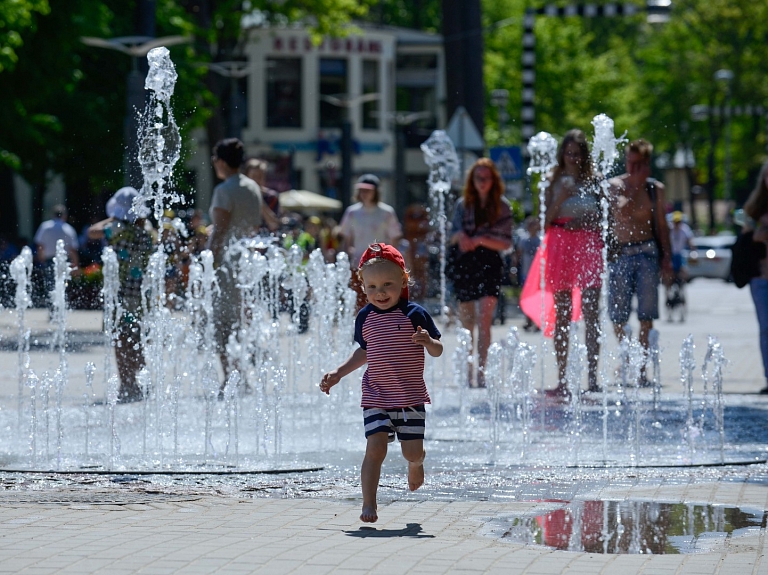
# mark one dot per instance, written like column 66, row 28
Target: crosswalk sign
column 509, row 161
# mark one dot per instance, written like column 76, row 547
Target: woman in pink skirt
column 574, row 247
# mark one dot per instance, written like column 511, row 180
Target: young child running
column 391, row 332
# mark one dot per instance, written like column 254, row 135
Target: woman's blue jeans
column 759, row 289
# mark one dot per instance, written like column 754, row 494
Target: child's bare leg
column 375, row 452
column 413, row 451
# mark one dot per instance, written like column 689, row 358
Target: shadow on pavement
column 410, row 530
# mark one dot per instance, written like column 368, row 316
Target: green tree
column 63, row 104
column 645, row 76
column 680, row 62
column 16, row 17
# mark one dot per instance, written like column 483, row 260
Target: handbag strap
column 650, row 186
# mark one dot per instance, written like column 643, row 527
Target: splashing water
column 604, row 155
column 21, row 272
column 160, row 140
column 687, row 366
column 543, row 151
column 113, row 312
column 605, row 146
column 443, row 162
column 712, row 369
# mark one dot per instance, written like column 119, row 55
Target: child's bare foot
column 369, row 514
column 416, row 473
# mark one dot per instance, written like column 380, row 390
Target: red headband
column 385, row 252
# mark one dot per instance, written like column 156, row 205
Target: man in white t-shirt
column 46, row 237
column 53, row 230
column 680, row 237
column 367, row 222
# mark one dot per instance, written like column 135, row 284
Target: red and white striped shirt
column 395, row 374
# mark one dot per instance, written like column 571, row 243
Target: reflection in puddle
column 634, row 527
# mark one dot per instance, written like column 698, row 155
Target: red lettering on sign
column 277, row 44
column 292, row 44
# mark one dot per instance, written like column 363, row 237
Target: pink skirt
column 574, row 259
column 577, row 265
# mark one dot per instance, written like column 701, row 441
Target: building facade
column 388, row 83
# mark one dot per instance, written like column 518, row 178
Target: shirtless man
column 638, row 266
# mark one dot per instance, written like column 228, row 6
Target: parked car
column 711, row 257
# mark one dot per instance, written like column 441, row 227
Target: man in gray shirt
column 236, row 212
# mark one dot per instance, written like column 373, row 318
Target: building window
column 283, row 93
column 418, row 100
column 333, row 82
column 416, row 91
column 371, row 115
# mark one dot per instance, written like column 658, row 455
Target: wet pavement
column 470, row 517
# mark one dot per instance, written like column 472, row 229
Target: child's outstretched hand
column 329, row 380
column 421, row 337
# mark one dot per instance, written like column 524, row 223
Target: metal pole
column 727, row 159
column 134, row 105
column 401, row 188
column 346, row 161
column 234, row 117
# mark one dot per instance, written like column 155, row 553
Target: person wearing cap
column 367, row 221
column 132, row 240
column 482, row 229
column 46, row 237
column 680, row 238
column 392, row 333
column 257, row 169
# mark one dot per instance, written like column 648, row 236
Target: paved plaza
column 462, row 521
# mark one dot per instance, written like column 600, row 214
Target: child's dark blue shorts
column 407, row 422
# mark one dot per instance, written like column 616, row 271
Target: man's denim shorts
column 636, row 272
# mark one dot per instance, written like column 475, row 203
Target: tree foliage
column 62, row 109
column 645, row 76
column 62, row 106
column 16, row 17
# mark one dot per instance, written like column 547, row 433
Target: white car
column 711, row 257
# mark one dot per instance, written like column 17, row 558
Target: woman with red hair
column 482, row 228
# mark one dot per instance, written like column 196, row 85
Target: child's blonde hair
column 378, row 261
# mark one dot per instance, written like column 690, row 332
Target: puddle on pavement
column 636, row 527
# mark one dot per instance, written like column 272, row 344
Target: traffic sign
column 463, row 132
column 509, row 161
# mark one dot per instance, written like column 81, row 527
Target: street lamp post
column 136, row 47
column 345, row 146
column 500, row 99
column 727, row 77
column 234, row 70
column 401, row 120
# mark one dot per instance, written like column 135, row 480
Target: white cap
column 119, row 206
